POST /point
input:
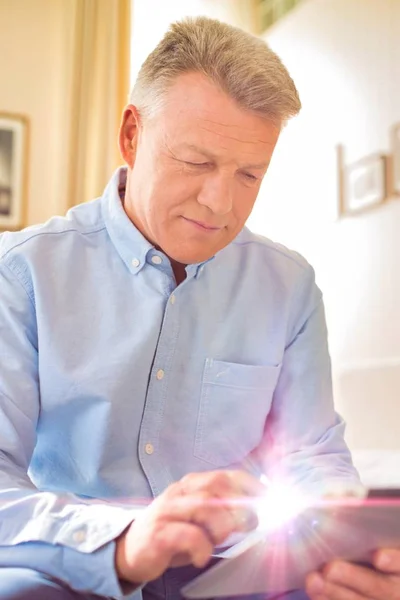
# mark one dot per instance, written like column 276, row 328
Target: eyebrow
column 212, row 156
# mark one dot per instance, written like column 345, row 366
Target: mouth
column 203, row 226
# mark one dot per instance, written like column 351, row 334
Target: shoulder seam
column 43, row 233
column 274, row 247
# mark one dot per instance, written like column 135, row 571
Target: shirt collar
column 131, row 245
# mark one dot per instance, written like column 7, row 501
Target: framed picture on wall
column 365, row 184
column 13, row 170
column 396, row 158
column 268, row 12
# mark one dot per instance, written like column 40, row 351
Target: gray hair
column 239, row 63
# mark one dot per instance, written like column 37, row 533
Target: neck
column 179, row 271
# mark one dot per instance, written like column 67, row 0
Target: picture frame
column 268, row 12
column 13, row 170
column 340, row 151
column 364, row 184
column 396, row 159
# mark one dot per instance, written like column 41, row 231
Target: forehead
column 197, row 111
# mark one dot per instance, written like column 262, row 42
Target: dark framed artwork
column 13, row 170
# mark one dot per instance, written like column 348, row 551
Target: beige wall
column 64, row 64
column 344, row 57
column 34, row 80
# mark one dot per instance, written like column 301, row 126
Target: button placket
column 151, row 459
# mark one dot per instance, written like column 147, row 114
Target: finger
column 188, row 540
column 222, row 487
column 317, row 588
column 223, row 483
column 216, row 517
column 246, row 484
column 181, row 544
column 387, row 560
column 151, row 550
column 239, row 487
column 341, row 489
column 243, row 514
column 361, row 580
column 212, row 514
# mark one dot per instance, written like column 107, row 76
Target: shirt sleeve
column 61, row 535
column 304, row 441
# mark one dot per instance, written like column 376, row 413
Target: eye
column 193, row 164
column 250, row 177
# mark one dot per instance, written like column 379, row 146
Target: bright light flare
column 281, row 504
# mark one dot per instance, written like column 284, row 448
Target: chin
column 188, row 250
column 190, row 258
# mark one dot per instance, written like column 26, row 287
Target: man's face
column 194, row 169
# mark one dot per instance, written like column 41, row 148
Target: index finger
column 246, row 484
column 222, row 484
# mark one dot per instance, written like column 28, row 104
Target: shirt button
column 149, row 448
column 157, row 260
column 135, row 262
column 173, row 298
column 79, row 536
column 160, row 374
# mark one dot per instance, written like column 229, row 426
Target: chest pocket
column 235, row 402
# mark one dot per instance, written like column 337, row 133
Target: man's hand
column 343, row 581
column 184, row 524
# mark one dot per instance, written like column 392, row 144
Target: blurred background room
column 333, row 189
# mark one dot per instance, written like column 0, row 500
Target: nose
column 216, row 193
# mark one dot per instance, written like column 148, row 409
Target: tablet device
column 279, row 561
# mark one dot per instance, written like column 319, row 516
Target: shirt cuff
column 91, row 573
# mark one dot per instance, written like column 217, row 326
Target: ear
column 128, row 134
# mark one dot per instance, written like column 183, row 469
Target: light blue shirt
column 114, row 382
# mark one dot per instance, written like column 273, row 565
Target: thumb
column 387, row 560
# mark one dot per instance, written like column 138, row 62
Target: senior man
column 152, row 347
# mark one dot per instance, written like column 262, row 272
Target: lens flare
column 280, row 504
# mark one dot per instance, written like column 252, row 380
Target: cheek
column 177, row 195
column 162, row 196
column 183, row 185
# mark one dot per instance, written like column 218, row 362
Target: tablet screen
column 280, row 560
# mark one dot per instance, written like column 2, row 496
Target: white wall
column 151, row 18
column 344, row 56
